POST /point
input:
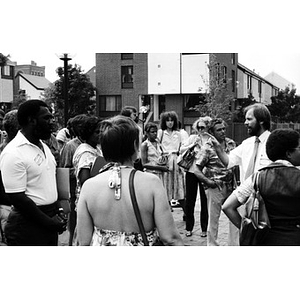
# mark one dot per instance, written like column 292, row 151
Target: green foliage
column 19, row 99
column 217, row 102
column 285, row 107
column 3, row 59
column 239, row 115
column 81, row 94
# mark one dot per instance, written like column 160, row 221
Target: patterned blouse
column 84, row 158
column 117, row 238
column 214, row 168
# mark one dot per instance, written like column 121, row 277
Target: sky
column 46, row 31
column 287, row 65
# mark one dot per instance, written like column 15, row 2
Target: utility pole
column 65, row 59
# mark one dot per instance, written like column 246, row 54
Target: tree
column 81, row 93
column 285, row 107
column 239, row 115
column 19, row 99
column 217, row 101
column 3, row 59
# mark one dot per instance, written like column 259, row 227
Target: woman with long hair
column 170, row 139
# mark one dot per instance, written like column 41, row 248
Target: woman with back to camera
column 105, row 213
column 279, row 186
column 198, row 138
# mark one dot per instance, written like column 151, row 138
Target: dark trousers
column 192, row 184
column 21, row 231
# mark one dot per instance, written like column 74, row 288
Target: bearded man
column 251, row 154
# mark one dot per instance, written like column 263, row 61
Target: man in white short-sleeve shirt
column 28, row 174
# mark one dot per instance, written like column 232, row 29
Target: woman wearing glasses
column 192, row 182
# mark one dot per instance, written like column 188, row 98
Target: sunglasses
column 201, row 127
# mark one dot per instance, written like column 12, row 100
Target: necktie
column 250, row 169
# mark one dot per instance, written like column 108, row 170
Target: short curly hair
column 213, row 123
column 10, row 122
column 280, row 141
column 90, row 125
column 150, row 125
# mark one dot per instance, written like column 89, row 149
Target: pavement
column 196, row 239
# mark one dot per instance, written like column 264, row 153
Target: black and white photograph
column 149, row 124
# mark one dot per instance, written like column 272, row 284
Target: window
column 110, row 103
column 7, row 72
column 125, row 56
column 233, row 80
column 161, row 104
column 233, row 58
column 218, row 73
column 127, row 77
column 259, row 88
column 249, row 83
column 224, row 74
column 193, row 101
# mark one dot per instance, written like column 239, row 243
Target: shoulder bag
column 137, row 212
column 255, row 224
column 163, row 159
column 185, row 160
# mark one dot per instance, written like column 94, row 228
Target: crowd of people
column 112, row 160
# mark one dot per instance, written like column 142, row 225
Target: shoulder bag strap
column 136, row 208
column 162, row 136
column 160, row 142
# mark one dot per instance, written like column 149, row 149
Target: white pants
column 215, row 199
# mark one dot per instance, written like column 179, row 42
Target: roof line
column 21, row 74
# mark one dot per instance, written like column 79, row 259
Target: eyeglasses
column 201, row 127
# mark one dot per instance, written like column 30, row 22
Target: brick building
column 160, row 81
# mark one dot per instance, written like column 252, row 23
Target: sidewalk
column 196, row 239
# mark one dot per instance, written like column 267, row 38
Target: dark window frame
column 233, row 58
column 233, row 79
column 103, row 102
column 11, row 72
column 127, row 77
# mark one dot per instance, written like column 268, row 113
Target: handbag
column 163, row 159
column 255, row 224
column 137, row 212
column 186, row 159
